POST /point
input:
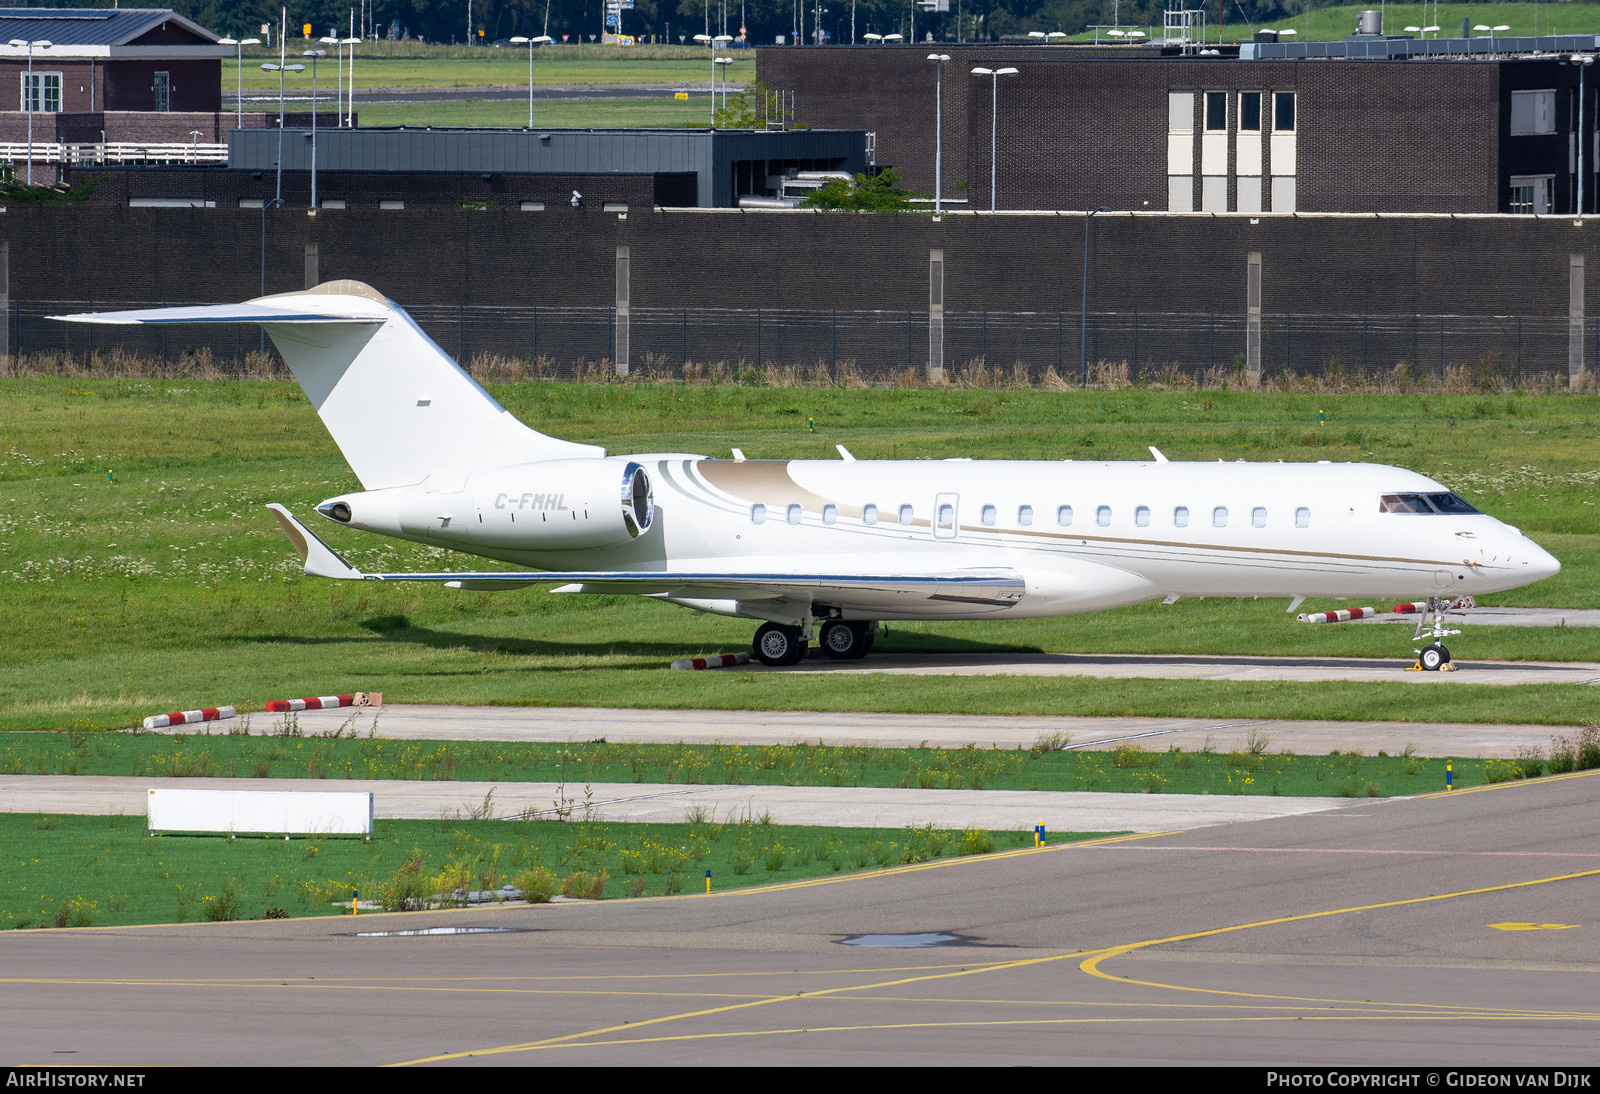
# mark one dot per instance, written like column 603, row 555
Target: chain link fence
column 883, row 346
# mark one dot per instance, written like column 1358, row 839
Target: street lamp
column 1491, row 31
column 994, row 75
column 315, row 55
column 30, row 93
column 350, row 99
column 938, row 60
column 239, row 52
column 873, row 38
column 280, row 70
column 1083, row 323
column 721, row 61
column 519, row 40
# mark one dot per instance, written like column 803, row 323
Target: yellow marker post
column 355, row 908
column 708, row 883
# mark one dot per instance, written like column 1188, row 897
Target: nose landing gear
column 1434, row 657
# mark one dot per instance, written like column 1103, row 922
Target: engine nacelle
column 548, row 505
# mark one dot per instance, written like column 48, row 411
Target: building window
column 391, row 203
column 162, row 90
column 1216, row 111
column 1533, row 112
column 533, row 207
column 1249, row 111
column 1180, row 112
column 41, row 92
column 1283, row 111
column 1531, row 194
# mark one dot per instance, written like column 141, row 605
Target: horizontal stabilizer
column 320, row 559
column 216, row 313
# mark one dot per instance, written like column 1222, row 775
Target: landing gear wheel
column 777, row 645
column 1434, row 658
column 847, row 641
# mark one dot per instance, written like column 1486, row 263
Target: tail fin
column 397, row 406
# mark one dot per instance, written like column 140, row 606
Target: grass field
column 1243, row 764
column 660, row 112
column 1336, row 22
column 170, row 587
column 69, row 871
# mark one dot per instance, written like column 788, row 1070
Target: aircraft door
column 946, row 514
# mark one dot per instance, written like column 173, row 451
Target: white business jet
column 837, row 546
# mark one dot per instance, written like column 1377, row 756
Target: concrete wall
column 803, row 288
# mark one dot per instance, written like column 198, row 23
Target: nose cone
column 1539, row 563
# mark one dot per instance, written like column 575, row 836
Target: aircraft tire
column 1434, row 658
column 777, row 645
column 847, row 641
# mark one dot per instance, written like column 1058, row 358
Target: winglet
column 320, row 559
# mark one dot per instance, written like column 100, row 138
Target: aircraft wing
column 992, row 586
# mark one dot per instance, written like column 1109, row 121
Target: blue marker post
column 811, row 425
column 1449, row 776
column 1322, row 417
column 111, row 476
column 1038, row 834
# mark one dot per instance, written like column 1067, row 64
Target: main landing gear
column 778, row 645
column 1434, row 657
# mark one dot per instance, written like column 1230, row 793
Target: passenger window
column 758, row 513
column 947, row 515
column 1302, row 517
column 1064, row 516
column 1258, row 517
column 830, row 514
column 1141, row 516
column 869, row 514
column 1025, row 515
column 1102, row 516
column 1219, row 517
column 906, row 514
column 989, row 515
column 794, row 514
column 1180, row 517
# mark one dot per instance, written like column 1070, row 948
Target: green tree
column 879, row 194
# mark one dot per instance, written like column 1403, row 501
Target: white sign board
column 289, row 812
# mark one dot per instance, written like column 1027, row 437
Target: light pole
column 723, row 62
column 338, row 81
column 938, row 60
column 280, row 70
column 1083, row 321
column 350, row 99
column 519, row 40
column 30, row 93
column 994, row 75
column 1492, row 31
column 315, row 55
column 239, row 52
column 713, row 43
column 1583, row 61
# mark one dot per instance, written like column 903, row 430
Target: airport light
column 315, row 55
column 894, row 37
column 239, row 55
column 1083, row 316
column 350, row 99
column 1055, row 36
column 519, row 40
column 873, row 38
column 280, row 70
column 938, row 60
column 721, row 62
column 1036, row 34
column 994, row 75
column 32, row 92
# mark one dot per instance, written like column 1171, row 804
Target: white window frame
column 40, row 94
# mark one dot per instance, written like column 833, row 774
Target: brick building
column 1372, row 124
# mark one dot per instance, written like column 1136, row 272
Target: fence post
column 621, row 327
column 1574, row 322
column 1252, row 335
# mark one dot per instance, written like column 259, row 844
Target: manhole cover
column 438, row 930
column 904, row 941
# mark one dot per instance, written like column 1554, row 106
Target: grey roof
column 89, row 26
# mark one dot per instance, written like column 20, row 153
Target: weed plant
column 82, row 871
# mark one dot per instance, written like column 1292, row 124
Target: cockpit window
column 1448, row 504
